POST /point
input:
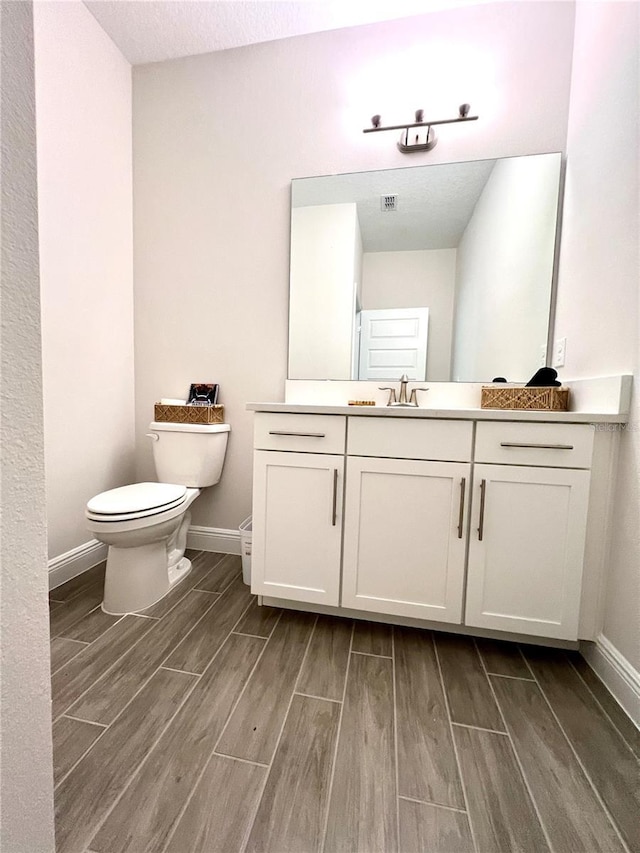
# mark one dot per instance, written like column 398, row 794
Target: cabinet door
column 405, row 535
column 297, row 526
column 526, row 550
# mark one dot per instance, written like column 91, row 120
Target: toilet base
column 146, row 557
column 179, row 572
column 131, row 592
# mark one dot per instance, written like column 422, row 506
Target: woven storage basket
column 188, row 414
column 500, row 397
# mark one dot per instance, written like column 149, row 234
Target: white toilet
column 145, row 525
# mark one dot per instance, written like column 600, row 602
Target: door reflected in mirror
column 441, row 272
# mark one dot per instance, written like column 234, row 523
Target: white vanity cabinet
column 405, row 518
column 468, row 521
column 528, row 528
column 297, row 507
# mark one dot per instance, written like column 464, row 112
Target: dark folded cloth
column 544, row 378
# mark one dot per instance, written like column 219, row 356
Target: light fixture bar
column 420, row 142
column 420, row 124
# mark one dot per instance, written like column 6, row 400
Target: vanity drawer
column 301, row 433
column 415, row 438
column 550, row 445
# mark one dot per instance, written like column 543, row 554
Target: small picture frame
column 203, row 394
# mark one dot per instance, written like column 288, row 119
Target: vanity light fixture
column 419, row 140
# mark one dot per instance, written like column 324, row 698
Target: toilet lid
column 140, row 497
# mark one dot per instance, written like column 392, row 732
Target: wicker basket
column 188, row 414
column 501, row 397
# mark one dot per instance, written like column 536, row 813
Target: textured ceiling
column 435, row 203
column 155, row 30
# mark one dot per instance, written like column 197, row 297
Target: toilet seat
column 138, row 500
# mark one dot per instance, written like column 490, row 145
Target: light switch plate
column 559, row 352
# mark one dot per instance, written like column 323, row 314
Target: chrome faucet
column 402, row 400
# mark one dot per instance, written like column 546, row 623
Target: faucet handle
column 392, row 395
column 413, row 399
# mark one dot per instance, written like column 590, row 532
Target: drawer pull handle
column 541, row 446
column 334, row 510
column 463, row 486
column 483, row 493
column 300, row 434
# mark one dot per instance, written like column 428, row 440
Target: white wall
column 324, row 259
column 26, row 781
column 503, row 280
column 413, row 280
column 83, row 112
column 597, row 308
column 217, row 140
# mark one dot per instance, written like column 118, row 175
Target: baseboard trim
column 214, row 539
column 75, row 562
column 615, row 671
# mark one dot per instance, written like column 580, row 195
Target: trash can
column 245, row 549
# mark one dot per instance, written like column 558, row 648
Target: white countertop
column 461, row 414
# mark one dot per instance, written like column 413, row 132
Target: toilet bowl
column 145, row 525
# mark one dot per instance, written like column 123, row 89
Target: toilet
column 145, row 525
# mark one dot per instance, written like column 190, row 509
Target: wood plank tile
column 219, row 578
column 569, row 809
column 90, row 790
column 71, row 739
column 71, row 681
column 91, row 626
column 292, row 811
column 220, row 812
column 620, row 719
column 470, row 698
column 197, row 649
column 362, row 810
column 201, row 564
column 79, row 584
column 259, row 620
column 62, row 651
column 254, row 727
column 65, row 617
column 604, row 754
column 425, row 827
column 500, row 809
column 144, row 819
column 108, row 696
column 502, row 658
column 372, row 638
column 427, row 768
column 53, row 605
column 325, row 667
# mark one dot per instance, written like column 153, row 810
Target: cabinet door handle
column 334, row 509
column 463, row 486
column 301, row 434
column 542, row 446
column 483, row 492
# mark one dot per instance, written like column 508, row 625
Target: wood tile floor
column 212, row 724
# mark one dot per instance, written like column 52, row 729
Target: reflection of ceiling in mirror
column 435, row 203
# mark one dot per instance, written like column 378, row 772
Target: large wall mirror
column 442, row 272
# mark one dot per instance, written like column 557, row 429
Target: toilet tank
column 189, row 454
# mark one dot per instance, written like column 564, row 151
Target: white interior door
column 393, row 341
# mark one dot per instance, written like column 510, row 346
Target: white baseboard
column 214, row 539
column 76, row 561
column 616, row 672
column 84, row 557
